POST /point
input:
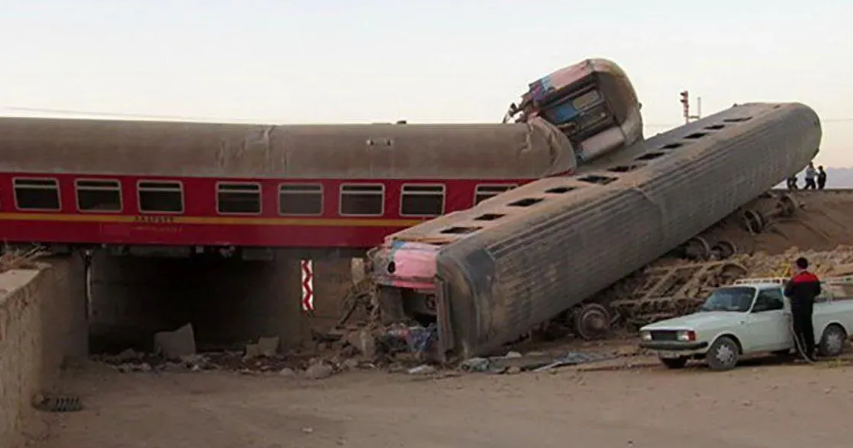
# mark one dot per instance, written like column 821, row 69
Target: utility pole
column 685, row 103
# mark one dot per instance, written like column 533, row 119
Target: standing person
column 810, row 175
column 821, row 178
column 802, row 289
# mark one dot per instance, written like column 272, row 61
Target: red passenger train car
column 85, row 183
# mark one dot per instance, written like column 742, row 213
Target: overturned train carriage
column 520, row 258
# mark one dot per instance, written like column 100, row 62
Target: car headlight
column 686, row 335
column 646, row 335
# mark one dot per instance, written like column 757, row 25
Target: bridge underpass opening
column 229, row 301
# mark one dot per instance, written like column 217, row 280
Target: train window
column 238, row 198
column 489, row 217
column 595, row 179
column 650, row 156
column 526, row 202
column 422, row 200
column 160, row 197
column 715, row 127
column 624, row 168
column 362, row 200
column 737, row 120
column 300, row 200
column 98, row 195
column 696, row 135
column 460, row 230
column 560, row 190
column 37, row 194
column 484, row 192
column 671, row 146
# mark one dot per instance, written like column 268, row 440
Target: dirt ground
column 821, row 224
column 752, row 406
column 757, row 405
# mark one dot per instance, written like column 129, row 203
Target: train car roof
column 347, row 151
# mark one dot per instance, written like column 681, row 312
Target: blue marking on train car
column 562, row 113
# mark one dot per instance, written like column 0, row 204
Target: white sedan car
column 751, row 316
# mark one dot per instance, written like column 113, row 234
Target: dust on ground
column 773, row 405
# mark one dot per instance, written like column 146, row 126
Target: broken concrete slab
column 319, row 371
column 364, row 341
column 175, row 344
column 268, row 346
column 252, row 351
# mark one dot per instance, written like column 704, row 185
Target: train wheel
column 754, row 221
column 697, row 248
column 724, row 249
column 592, row 321
column 787, row 205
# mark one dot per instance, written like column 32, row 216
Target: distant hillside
column 835, row 178
column 839, row 178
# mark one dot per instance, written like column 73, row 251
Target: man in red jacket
column 802, row 289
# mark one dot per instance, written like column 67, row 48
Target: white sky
column 424, row 61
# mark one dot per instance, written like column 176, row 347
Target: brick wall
column 42, row 322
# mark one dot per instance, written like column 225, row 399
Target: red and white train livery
column 143, row 183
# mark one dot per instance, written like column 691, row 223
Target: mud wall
column 42, row 323
column 228, row 301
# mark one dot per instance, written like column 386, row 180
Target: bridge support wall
column 42, row 323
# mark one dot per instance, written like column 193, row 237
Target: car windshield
column 738, row 299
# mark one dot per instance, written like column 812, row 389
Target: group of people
column 815, row 179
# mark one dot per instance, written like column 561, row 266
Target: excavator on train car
column 488, row 274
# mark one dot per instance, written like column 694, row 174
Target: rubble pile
column 673, row 288
column 834, row 263
column 395, row 348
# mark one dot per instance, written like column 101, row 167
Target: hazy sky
column 425, row 61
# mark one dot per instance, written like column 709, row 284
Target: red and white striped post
column 307, row 268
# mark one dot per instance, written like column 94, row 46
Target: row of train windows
column 241, row 198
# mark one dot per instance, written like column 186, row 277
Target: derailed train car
column 209, row 187
column 592, row 102
column 490, row 273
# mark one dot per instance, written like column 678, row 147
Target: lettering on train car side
column 148, row 219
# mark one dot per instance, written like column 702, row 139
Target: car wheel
column 832, row 341
column 723, row 354
column 674, row 363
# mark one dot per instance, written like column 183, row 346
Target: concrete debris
column 127, row 355
column 351, row 364
column 268, row 346
column 475, row 365
column 515, row 362
column 252, row 351
column 174, row 344
column 424, row 369
column 287, row 372
column 319, row 371
column 363, row 341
